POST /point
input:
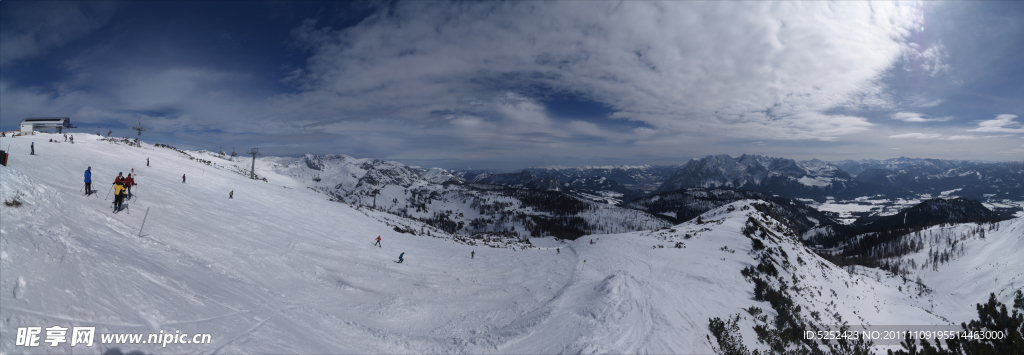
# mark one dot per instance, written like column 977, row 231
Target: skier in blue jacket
column 88, row 181
column 401, row 257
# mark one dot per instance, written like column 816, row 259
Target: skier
column 401, row 257
column 88, row 181
column 33, row 149
column 472, row 254
column 65, row 138
column 118, row 195
column 147, row 161
column 591, row 242
column 128, row 183
column 231, row 194
column 182, row 178
column 119, row 178
column 558, row 250
column 72, row 139
column 378, row 242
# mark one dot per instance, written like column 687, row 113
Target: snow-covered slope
column 281, row 269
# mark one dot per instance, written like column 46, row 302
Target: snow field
column 280, row 269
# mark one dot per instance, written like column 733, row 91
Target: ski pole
column 108, row 191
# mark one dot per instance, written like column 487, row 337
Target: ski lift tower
column 233, row 154
column 255, row 151
column 140, row 129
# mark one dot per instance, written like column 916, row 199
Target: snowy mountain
column 645, row 178
column 855, row 167
column 971, row 180
column 777, row 176
column 686, row 204
column 932, row 212
column 501, row 206
column 288, row 264
column 521, row 180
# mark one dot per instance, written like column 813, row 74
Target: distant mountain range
column 813, row 179
column 975, row 180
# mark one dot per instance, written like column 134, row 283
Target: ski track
column 280, row 269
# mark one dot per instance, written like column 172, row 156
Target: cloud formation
column 918, row 117
column 32, row 30
column 1002, row 123
column 767, row 70
column 464, row 83
column 917, row 136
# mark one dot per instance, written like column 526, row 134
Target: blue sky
column 515, row 84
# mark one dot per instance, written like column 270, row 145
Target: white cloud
column 917, row 136
column 918, row 117
column 1002, row 123
column 932, row 136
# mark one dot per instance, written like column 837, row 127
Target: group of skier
column 122, row 189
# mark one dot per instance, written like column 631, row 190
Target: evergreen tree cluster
column 992, row 317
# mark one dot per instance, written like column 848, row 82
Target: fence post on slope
column 143, row 222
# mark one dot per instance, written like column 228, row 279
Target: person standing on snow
column 118, row 195
column 472, row 254
column 378, row 242
column 401, row 257
column 147, row 161
column 128, row 183
column 558, row 250
column 231, row 194
column 33, row 149
column 182, row 178
column 72, row 139
column 88, row 181
column 119, row 178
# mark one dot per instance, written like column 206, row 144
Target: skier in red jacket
column 378, row 242
column 128, row 183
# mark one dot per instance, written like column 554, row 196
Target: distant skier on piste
column 231, row 194
column 118, row 195
column 401, row 257
column 472, row 254
column 182, row 178
column 88, row 181
column 378, row 242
